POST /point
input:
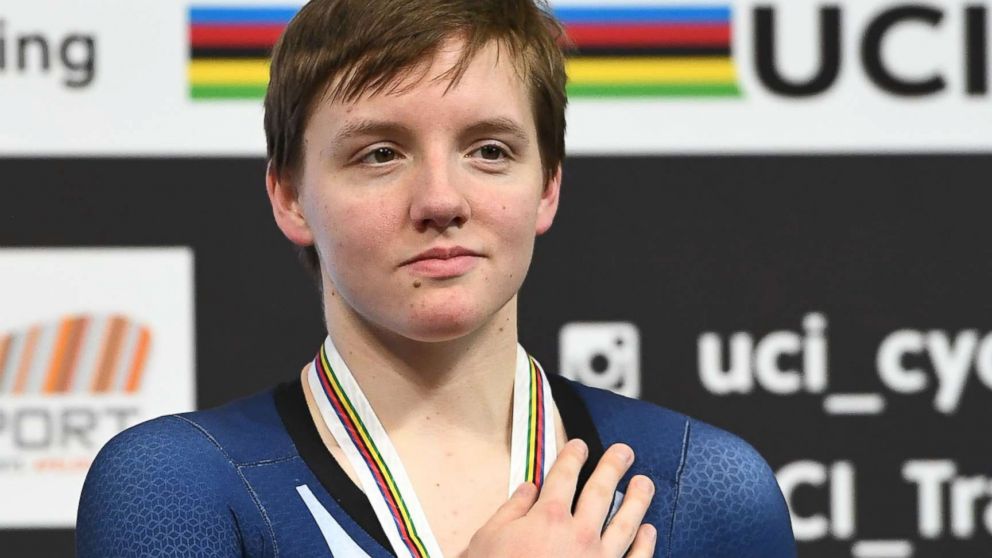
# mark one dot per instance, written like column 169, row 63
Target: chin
column 442, row 322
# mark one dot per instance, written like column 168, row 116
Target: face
column 424, row 204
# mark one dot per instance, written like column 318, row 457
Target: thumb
column 519, row 504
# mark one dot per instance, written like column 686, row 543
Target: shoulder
column 717, row 495
column 171, row 485
column 151, row 488
column 242, row 431
column 728, row 502
column 163, row 448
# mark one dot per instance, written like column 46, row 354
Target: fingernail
column 583, row 448
column 626, row 454
column 652, row 532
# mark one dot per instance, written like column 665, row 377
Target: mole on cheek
column 416, row 284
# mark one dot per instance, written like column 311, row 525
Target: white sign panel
column 92, row 341
column 186, row 78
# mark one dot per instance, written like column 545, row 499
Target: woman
column 415, row 152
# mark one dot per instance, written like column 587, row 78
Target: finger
column 516, row 507
column 623, row 527
column 643, row 547
column 597, row 495
column 559, row 486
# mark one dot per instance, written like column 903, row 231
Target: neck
column 463, row 385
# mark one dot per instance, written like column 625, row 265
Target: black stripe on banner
column 231, row 52
column 689, row 51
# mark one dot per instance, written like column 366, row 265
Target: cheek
column 353, row 230
column 511, row 221
column 367, row 224
column 515, row 216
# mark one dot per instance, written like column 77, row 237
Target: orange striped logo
column 75, row 354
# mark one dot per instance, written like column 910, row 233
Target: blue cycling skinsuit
column 253, row 478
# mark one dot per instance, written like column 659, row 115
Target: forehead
column 491, row 87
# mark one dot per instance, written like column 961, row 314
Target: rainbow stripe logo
column 650, row 51
column 230, row 49
column 621, row 50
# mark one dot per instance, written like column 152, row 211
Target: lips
column 440, row 253
column 443, row 262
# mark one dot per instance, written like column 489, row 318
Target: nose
column 438, row 200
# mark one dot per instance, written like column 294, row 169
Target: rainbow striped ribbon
column 356, row 428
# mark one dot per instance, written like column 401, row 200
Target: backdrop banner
column 773, row 219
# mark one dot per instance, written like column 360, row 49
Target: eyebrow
column 372, row 127
column 500, row 125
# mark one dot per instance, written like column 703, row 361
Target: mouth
column 441, row 253
column 443, row 262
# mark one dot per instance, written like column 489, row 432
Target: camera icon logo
column 602, row 354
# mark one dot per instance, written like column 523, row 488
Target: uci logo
column 970, row 37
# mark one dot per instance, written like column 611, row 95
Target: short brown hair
column 342, row 49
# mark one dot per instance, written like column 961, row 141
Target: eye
column 491, row 152
column 379, row 156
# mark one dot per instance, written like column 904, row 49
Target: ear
column 549, row 203
column 286, row 207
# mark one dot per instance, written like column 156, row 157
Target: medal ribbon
column 356, row 428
